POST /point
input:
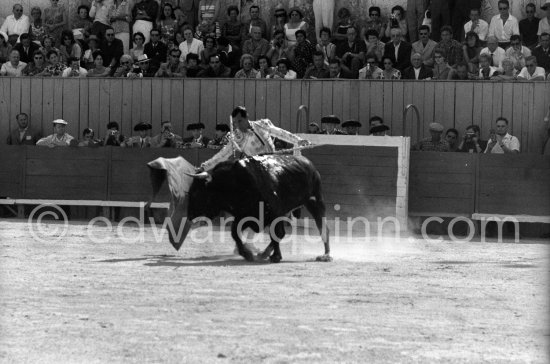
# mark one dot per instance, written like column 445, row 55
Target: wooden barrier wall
column 94, row 102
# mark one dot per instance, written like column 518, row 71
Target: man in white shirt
column 504, row 25
column 502, row 142
column 517, row 52
column 74, row 70
column 59, row 138
column 13, row 67
column 531, row 72
column 477, row 25
column 496, row 53
column 544, row 23
column 16, row 24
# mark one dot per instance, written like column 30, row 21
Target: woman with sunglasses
column 139, row 49
column 388, row 72
column 69, row 47
column 37, row 66
column 55, row 19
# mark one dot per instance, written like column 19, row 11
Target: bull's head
column 180, row 175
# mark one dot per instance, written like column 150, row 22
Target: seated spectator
column 531, row 72
column 451, row 48
column 83, row 22
column 371, row 71
column 59, row 138
column 228, row 56
column 221, row 137
column 143, row 140
column 37, row 66
column 26, row 48
column 99, row 70
column 418, row 71
column 471, row 142
column 88, row 139
column 508, row 71
column 374, row 45
column 517, row 53
column 139, row 48
column 283, row 70
column 496, row 54
column 389, row 72
column 351, row 127
column 425, row 46
column 451, row 136
column 351, row 53
column 544, row 24
column 166, row 138
column 15, row 24
column 264, row 67
column 112, row 49
column 48, row 45
column 69, row 47
column 433, row 143
column 126, row 63
column 502, row 142
column 37, row 29
column 295, row 23
column 404, row 49
column 247, row 70
column 193, row 68
column 486, row 71
column 88, row 58
column 215, row 69
column 341, row 25
column 461, row 73
column 210, row 49
column 278, row 48
column 172, row 68
column 472, row 50
column 442, row 70
column 303, row 54
column 55, row 68
column 503, row 25
column 14, row 67
column 379, row 130
column 233, row 29
column 374, row 23
column 156, row 51
column 255, row 21
column 190, row 44
column 325, row 46
column 529, row 26
column 256, row 45
column 5, row 49
column 74, row 69
column 318, row 70
column 197, row 140
column 24, row 134
column 113, row 136
column 141, row 68
column 542, row 52
column 477, row 25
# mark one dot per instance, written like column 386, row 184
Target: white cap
column 60, row 121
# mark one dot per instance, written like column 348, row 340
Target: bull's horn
column 202, row 175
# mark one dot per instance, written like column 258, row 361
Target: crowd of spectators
column 112, row 38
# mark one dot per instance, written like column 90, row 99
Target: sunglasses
column 502, row 8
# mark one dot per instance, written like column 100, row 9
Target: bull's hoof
column 275, row 258
column 324, row 258
column 261, row 256
column 247, row 255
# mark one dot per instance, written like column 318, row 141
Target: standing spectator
column 529, row 26
column 141, row 141
column 172, row 68
column 144, row 13
column 417, row 71
column 318, row 70
column 190, row 45
column 278, row 47
column 37, row 66
column 441, row 15
column 215, row 69
column 247, row 67
column 295, row 23
column 26, row 48
column 496, row 54
column 303, row 54
column 323, row 11
column 167, row 23
column 531, row 72
column 119, row 17
column 398, row 50
column 69, row 47
column 74, row 69
column 542, row 52
column 100, row 13
column 433, row 143
column 471, row 142
column 37, row 28
column 486, row 71
column 451, row 137
column 256, row 45
column 156, row 51
column 471, row 50
column 55, row 19
column 255, row 21
column 15, row 24
column 397, row 21
column 59, row 138
column 188, row 10
column 415, row 14
column 5, row 49
column 452, row 48
column 99, row 69
column 55, row 67
column 425, row 46
column 502, row 142
column 371, row 71
column 477, row 25
column 352, row 52
column 24, row 134
column 14, row 67
column 112, row 49
column 544, row 24
column 389, row 72
column 503, row 25
column 517, row 53
column 283, row 71
column 374, row 45
column 460, row 15
column 233, row 29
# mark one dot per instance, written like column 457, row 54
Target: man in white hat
column 544, row 23
column 59, row 138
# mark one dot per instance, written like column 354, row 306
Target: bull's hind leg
column 236, row 235
column 277, row 233
column 316, row 208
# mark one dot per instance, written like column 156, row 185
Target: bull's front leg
column 236, row 235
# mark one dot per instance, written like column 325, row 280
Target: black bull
column 271, row 185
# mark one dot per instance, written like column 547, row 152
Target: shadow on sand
column 203, row 261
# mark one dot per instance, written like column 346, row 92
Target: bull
column 278, row 183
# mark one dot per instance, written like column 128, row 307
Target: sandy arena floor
column 135, row 300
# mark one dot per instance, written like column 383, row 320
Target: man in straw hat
column 59, row 138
